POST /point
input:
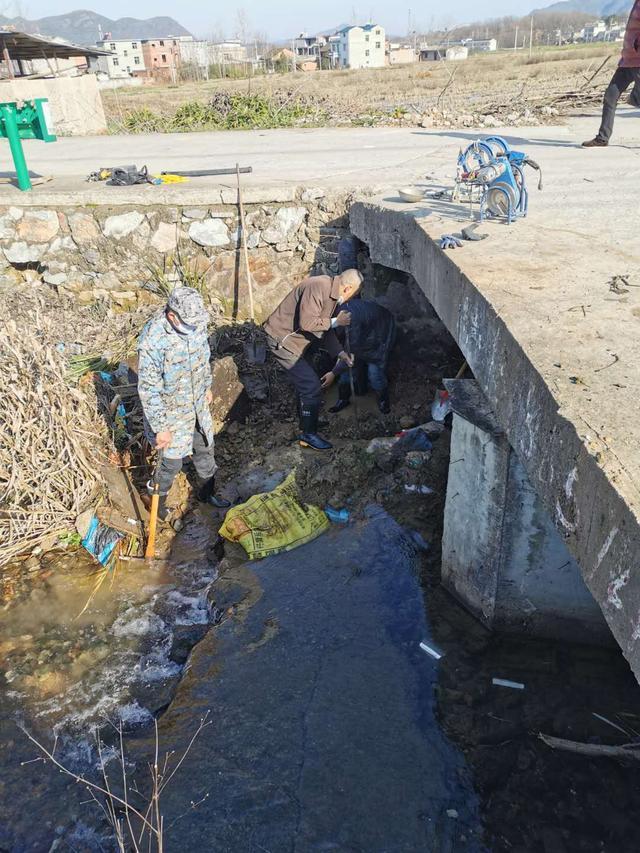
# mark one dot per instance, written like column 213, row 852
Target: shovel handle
column 150, row 551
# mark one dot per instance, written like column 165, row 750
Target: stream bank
column 291, row 761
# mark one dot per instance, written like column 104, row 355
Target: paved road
column 379, row 157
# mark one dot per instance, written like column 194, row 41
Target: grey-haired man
column 174, row 384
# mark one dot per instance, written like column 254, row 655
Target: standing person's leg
column 169, row 469
column 379, row 383
column 620, row 81
column 204, row 462
column 344, row 393
column 306, row 382
column 634, row 97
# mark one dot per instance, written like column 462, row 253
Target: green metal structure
column 25, row 120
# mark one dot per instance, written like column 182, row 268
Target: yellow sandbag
column 273, row 522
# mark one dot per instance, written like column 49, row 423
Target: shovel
column 150, row 551
column 351, row 382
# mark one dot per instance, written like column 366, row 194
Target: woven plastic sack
column 273, row 522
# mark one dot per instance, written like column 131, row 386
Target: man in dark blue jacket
column 370, row 339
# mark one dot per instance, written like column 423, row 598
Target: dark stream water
column 331, row 728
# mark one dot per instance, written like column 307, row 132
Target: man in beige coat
column 307, row 316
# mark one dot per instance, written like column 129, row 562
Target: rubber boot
column 322, row 424
column 206, row 495
column 309, row 436
column 344, row 396
column 383, row 402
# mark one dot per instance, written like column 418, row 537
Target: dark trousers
column 620, row 82
column 299, row 372
column 203, row 459
column 370, row 375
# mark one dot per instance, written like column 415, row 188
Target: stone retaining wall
column 108, row 253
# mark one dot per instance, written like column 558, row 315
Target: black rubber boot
column 383, row 402
column 206, row 495
column 309, row 436
column 344, row 396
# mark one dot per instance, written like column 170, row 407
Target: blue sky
column 282, row 18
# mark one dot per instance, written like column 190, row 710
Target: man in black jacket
column 370, row 339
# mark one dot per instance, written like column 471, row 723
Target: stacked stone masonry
column 99, row 253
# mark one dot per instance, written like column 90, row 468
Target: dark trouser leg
column 300, row 373
column 378, row 381
column 620, row 81
column 169, row 469
column 203, row 457
column 205, row 464
column 344, row 393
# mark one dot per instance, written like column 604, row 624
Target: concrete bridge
column 554, row 349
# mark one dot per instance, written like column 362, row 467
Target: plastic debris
column 450, row 241
column 453, row 813
column 431, row 650
column 100, row 540
column 413, row 439
column 441, row 406
column 337, row 516
column 420, row 490
column 382, row 443
column 504, row 682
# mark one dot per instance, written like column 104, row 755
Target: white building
column 227, row 52
column 481, row 45
column 594, row 31
column 194, row 52
column 362, row 47
column 126, row 58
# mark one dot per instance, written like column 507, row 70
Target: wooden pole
column 245, row 250
column 7, row 59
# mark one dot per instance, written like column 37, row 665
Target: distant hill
column 597, row 8
column 83, row 27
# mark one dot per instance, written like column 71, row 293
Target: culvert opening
column 563, row 801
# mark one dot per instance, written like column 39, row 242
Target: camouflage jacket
column 174, row 376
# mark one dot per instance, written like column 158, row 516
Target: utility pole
column 293, row 58
column 531, row 38
column 515, row 41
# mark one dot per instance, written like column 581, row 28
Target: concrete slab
column 554, row 349
column 320, row 158
column 323, row 735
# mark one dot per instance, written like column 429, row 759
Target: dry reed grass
column 50, row 440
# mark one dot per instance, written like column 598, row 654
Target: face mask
column 181, row 327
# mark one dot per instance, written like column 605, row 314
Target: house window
column 377, row 32
column 136, row 60
column 115, row 60
column 164, row 57
column 125, row 53
column 366, row 38
column 112, row 46
column 134, row 45
column 366, row 53
column 161, row 44
column 378, row 45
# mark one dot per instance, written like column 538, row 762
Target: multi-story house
column 126, row 59
column 361, row 46
column 162, row 57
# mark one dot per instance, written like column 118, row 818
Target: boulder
column 84, row 229
column 209, row 232
column 24, row 253
column 38, row 226
column 166, row 238
column 284, row 225
column 122, row 225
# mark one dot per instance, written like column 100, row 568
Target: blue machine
column 490, row 166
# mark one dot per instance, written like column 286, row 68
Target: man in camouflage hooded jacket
column 174, row 384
